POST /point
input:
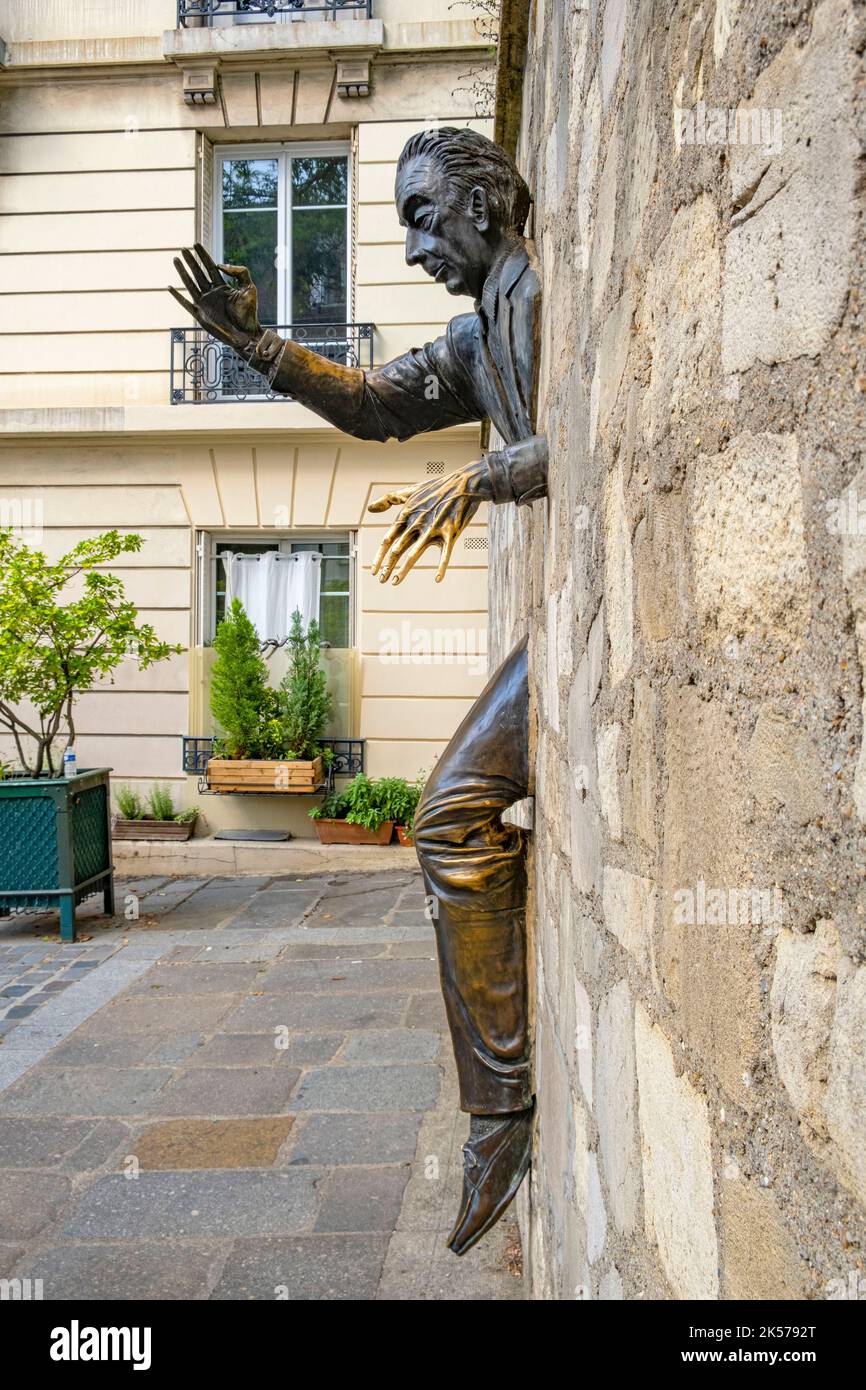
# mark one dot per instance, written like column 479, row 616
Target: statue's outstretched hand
column 434, row 513
column 229, row 312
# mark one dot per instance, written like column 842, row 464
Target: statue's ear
column 479, row 208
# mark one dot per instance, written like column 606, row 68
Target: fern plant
column 160, row 803
column 129, row 803
column 305, row 701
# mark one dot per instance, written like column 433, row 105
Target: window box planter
column 150, row 829
column 260, row 775
column 340, row 832
column 55, row 844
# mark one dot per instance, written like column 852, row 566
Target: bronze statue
column 464, row 206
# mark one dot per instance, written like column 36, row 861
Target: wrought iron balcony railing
column 204, row 12
column 205, row 370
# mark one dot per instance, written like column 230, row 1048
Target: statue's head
column 461, row 199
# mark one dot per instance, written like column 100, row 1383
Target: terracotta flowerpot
column 149, row 829
column 405, row 837
column 264, row 775
column 340, row 832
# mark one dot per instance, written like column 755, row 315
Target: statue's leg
column 475, row 871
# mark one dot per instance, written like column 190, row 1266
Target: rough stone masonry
column 695, row 594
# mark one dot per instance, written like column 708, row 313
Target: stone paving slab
column 323, row 1267
column 204, row 1203
column 227, row 1091
column 169, row 1269
column 331, row 1140
column 247, row 1092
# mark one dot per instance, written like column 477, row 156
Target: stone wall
column 695, row 591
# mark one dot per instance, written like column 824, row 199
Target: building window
column 284, row 213
column 335, row 599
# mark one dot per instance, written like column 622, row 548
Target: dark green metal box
column 55, row 844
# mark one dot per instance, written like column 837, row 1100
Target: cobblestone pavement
column 235, row 1089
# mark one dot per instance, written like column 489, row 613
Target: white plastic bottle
column 70, row 762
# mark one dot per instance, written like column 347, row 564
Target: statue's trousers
column 475, row 872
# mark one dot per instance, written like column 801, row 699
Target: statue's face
column 451, row 243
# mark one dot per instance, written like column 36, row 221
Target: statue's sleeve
column 425, row 389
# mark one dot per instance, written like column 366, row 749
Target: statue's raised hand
column 229, row 312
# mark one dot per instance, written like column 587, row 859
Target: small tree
column 239, row 694
column 304, row 695
column 52, row 650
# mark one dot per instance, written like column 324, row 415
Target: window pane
column 250, row 183
column 335, row 576
column 319, row 266
column 250, row 239
column 317, row 180
column 334, row 619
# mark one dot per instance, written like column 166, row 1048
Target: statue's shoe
column 494, row 1167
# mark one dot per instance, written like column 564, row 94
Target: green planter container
column 55, row 844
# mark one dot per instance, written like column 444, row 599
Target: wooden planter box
column 149, row 829
column 405, row 837
column 340, row 832
column 259, row 775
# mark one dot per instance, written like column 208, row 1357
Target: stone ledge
column 244, row 418
column 245, row 41
column 223, row 858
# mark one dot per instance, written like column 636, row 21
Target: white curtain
column 271, row 586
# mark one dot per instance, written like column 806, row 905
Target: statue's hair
column 470, row 160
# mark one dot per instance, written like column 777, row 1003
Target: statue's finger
column 391, row 499
column 239, row 272
column 429, row 538
column 186, row 278
column 180, row 299
column 210, row 266
column 398, row 550
column 197, row 272
column 390, row 536
column 451, row 535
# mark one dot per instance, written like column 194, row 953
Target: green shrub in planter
column 55, row 843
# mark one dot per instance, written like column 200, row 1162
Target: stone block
column 616, row 1106
column 759, row 1257
column 618, row 578
column 786, row 768
column 789, row 251
column 677, row 1166
column 629, row 913
column 607, row 755
column 749, row 563
column 678, row 318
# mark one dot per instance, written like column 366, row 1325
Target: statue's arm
column 422, row 390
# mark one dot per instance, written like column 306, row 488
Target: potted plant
column 55, row 840
column 362, row 813
column 154, row 820
column 269, row 739
column 404, row 802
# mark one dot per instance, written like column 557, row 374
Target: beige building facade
column 124, row 136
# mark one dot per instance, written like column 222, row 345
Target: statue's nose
column 413, row 250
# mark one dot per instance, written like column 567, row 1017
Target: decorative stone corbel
column 353, row 77
column 200, row 82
